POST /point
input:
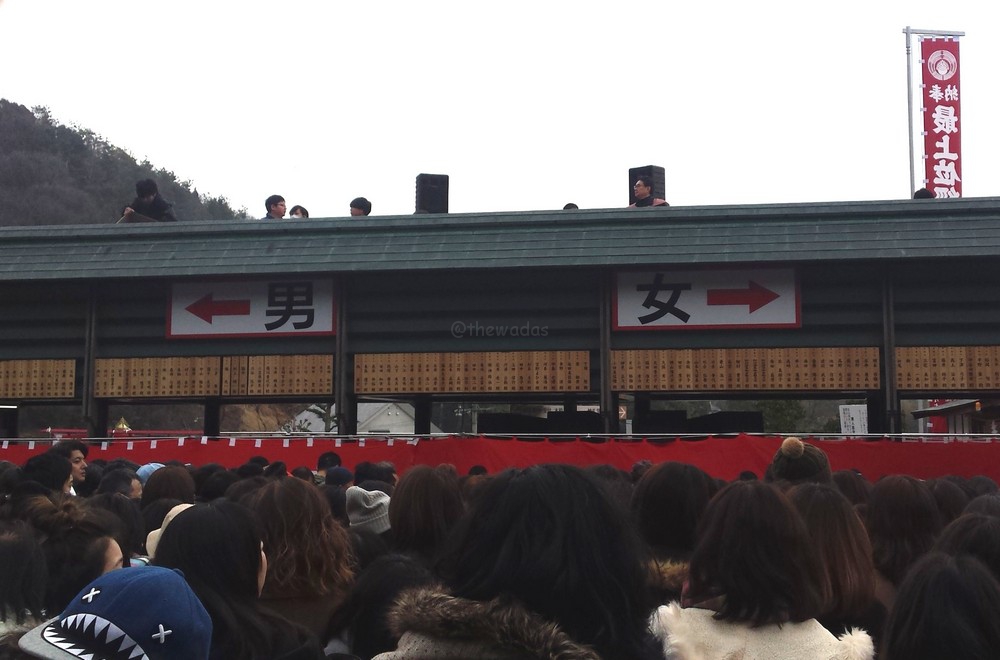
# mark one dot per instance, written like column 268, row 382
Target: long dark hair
column 424, row 508
column 946, row 608
column 667, row 504
column 549, row 537
column 840, row 544
column 218, row 548
column 23, row 573
column 753, row 552
column 902, row 520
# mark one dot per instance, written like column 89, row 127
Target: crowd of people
column 549, row 561
column 150, row 206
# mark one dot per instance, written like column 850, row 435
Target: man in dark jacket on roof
column 148, row 205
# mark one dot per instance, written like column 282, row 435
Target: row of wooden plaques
column 519, row 371
column 734, row 369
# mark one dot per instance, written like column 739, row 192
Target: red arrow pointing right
column 754, row 296
column 206, row 309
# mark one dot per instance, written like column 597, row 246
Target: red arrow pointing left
column 206, row 309
column 754, row 296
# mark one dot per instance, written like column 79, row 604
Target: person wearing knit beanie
column 799, row 462
column 368, row 510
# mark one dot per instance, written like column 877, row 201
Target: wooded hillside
column 51, row 174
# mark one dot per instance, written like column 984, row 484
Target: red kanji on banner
column 941, row 108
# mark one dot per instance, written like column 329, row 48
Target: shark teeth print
column 80, row 634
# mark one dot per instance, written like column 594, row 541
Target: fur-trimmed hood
column 502, row 624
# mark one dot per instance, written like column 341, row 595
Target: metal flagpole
column 908, row 31
column 909, row 109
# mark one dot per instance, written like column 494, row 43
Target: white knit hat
column 368, row 509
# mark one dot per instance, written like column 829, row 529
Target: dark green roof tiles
column 680, row 236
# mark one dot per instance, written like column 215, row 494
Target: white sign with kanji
column 260, row 308
column 700, row 299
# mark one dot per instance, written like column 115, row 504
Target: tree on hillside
column 52, row 174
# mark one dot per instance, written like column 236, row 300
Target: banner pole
column 909, row 110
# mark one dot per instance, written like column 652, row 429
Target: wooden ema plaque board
column 948, row 367
column 241, row 375
column 37, row 379
column 432, row 373
column 288, row 374
column 156, row 377
column 736, row 369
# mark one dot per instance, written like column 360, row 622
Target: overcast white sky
column 526, row 104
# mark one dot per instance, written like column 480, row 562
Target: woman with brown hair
column 903, row 521
column 424, row 508
column 173, row 481
column 309, row 565
column 753, row 590
column 840, row 544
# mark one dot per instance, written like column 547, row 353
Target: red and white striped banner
column 941, row 108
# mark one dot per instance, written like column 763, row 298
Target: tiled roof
column 788, row 233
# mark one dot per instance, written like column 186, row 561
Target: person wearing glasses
column 643, row 190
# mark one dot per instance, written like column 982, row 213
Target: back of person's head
column 130, row 529
column 245, row 487
column 217, row 547
column 217, row 485
column 50, row 470
column 667, row 504
column 78, row 545
column 852, row 485
column 951, row 499
column 374, row 594
column 327, row 460
column 303, row 473
column 988, row 505
column 617, row 483
column 973, row 534
column 982, row 485
column 23, row 574
column 248, row 470
column 152, row 515
column 119, row 480
column 543, row 536
column 307, row 551
column 423, row 510
column 276, row 470
column 145, row 188
column 840, row 544
column 923, row 193
column 173, row 481
column 798, row 462
column 902, row 520
column 338, row 476
column 202, row 473
column 945, row 608
column 753, row 550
